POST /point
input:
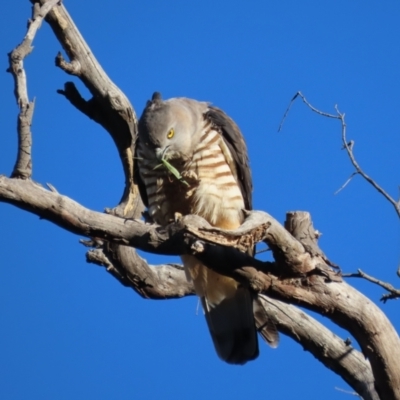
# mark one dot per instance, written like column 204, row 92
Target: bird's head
column 169, row 129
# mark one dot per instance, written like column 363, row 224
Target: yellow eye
column 171, row 133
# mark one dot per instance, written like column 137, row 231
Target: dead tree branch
column 108, row 106
column 159, row 282
column 304, row 285
column 393, row 292
column 334, row 352
column 23, row 164
column 348, row 146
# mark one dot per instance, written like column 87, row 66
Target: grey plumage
column 207, row 149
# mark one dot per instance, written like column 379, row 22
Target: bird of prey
column 207, row 174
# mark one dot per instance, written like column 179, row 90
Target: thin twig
column 348, row 145
column 51, row 187
column 393, row 292
column 287, row 111
column 265, row 250
column 23, row 164
column 346, row 183
column 348, row 392
column 299, row 94
column 319, row 112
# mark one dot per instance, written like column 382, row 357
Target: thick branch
column 109, row 106
column 182, row 237
column 175, row 239
column 357, row 314
column 336, row 300
column 299, row 224
column 335, row 353
column 169, row 281
column 23, row 164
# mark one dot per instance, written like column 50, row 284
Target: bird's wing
column 137, row 177
column 233, row 138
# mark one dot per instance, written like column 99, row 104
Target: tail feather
column 229, row 312
column 232, row 327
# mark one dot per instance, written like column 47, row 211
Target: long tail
column 232, row 327
column 229, row 312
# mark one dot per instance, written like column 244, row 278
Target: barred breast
column 218, row 198
column 211, row 190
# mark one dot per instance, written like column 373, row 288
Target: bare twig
column 23, row 164
column 348, row 392
column 319, row 112
column 346, row 183
column 348, row 146
column 299, row 94
column 287, row 111
column 393, row 292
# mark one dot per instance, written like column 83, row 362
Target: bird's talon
column 177, row 217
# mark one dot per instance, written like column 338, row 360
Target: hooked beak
column 160, row 153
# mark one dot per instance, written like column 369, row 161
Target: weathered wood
column 299, row 224
column 108, row 106
column 23, row 164
column 335, row 300
column 332, row 351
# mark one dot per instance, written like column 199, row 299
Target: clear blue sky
column 68, row 330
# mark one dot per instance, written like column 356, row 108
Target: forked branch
column 23, row 164
column 347, row 145
column 393, row 292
